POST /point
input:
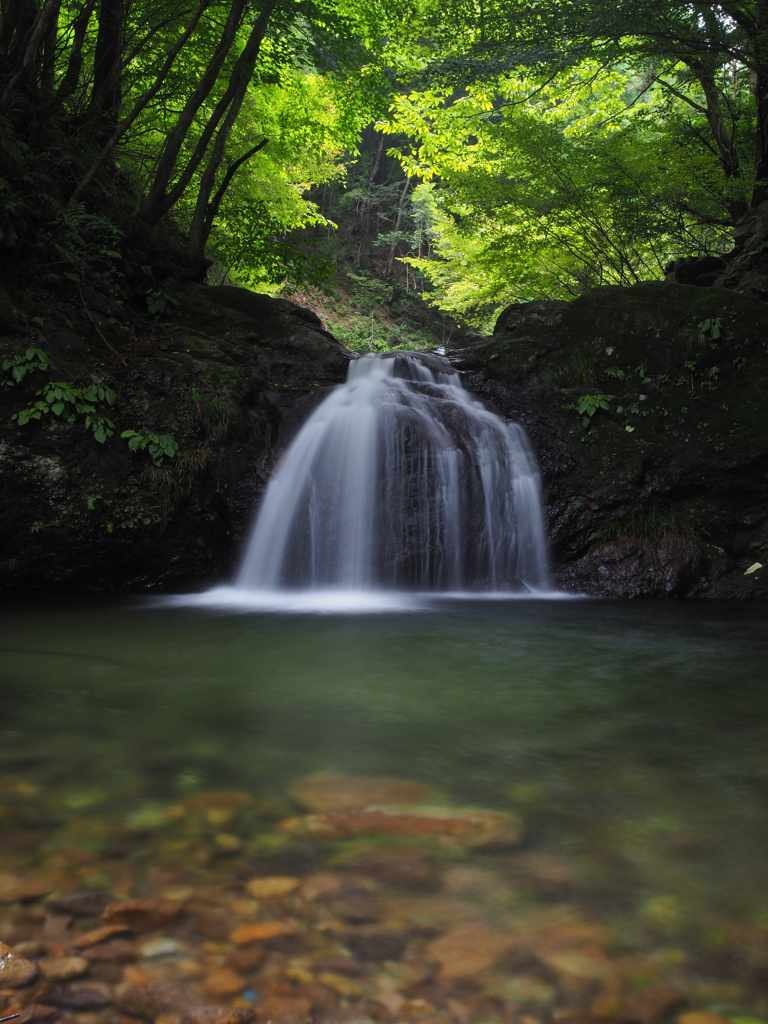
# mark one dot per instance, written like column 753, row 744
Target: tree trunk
column 204, row 216
column 109, row 146
column 760, row 191
column 106, row 93
column 28, row 29
column 154, row 206
column 161, row 198
column 71, row 80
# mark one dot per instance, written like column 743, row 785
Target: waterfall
column 401, row 480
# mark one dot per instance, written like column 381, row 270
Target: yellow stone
column 260, row 931
column 227, row 842
column 224, row 982
column 271, row 886
column 702, row 1017
column 343, row 987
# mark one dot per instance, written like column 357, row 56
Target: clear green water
column 632, row 738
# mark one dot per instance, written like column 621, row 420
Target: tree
column 164, row 88
column 721, row 47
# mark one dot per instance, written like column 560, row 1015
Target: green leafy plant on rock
column 711, row 327
column 21, row 365
column 157, row 446
column 71, row 403
column 588, row 405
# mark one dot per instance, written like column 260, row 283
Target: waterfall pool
column 631, row 739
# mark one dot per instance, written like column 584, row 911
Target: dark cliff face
column 226, row 374
column 658, row 487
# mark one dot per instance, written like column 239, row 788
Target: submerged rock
column 466, row 952
column 15, row 970
column 330, row 792
column 63, row 968
column 14, row 888
column 141, row 915
column 464, row 827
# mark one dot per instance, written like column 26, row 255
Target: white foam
column 344, row 602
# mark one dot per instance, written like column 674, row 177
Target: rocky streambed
column 350, row 900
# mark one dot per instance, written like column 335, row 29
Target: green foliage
column 576, row 368
column 546, row 186
column 71, row 404
column 79, row 241
column 162, row 304
column 157, row 446
column 652, row 523
column 711, row 327
column 588, row 405
column 20, row 365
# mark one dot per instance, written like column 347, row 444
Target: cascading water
column 401, row 480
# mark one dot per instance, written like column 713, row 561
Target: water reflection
column 628, row 739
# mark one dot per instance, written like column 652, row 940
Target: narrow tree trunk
column 204, row 216
column 109, row 146
column 71, row 80
column 202, row 222
column 161, row 198
column 154, row 206
column 760, row 191
column 106, row 93
column 30, row 30
column 398, row 221
column 48, row 55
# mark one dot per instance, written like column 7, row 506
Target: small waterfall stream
column 401, row 480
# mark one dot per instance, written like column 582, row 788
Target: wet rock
column 328, row 792
column 528, row 990
column 321, row 886
column 261, row 931
column 579, row 964
column 247, row 959
column 272, row 886
column 465, row 952
column 116, row 951
column 285, row 1009
column 86, row 904
column 38, row 1013
column 89, row 996
column 702, row 1017
column 226, row 843
column 355, row 905
column 142, row 915
column 162, row 947
column 376, row 945
column 62, row 968
column 218, row 806
column 651, row 1004
column 256, row 365
column 216, row 1015
column 210, row 926
column 149, row 1001
column 339, row 965
column 343, row 986
column 634, row 567
column 15, row 970
column 402, row 865
column 95, row 935
column 469, row 828
column 224, row 982
column 14, row 888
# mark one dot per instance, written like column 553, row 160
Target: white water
column 399, row 481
